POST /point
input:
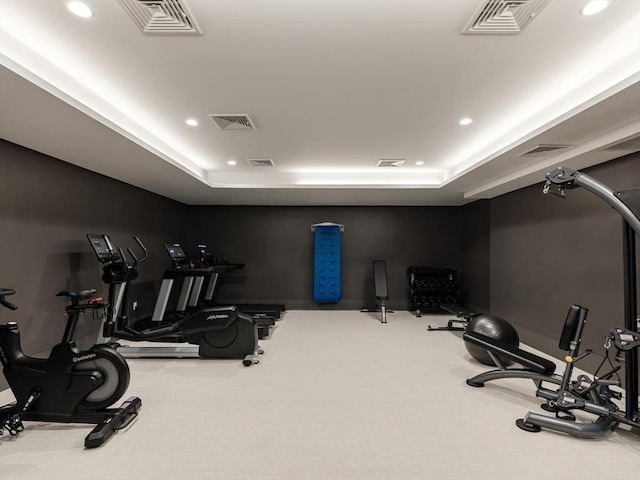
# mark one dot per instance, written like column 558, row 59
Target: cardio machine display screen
column 101, row 247
column 205, row 254
column 175, row 252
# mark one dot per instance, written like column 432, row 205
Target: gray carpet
column 336, row 396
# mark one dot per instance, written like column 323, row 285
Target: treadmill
column 256, row 309
column 190, row 294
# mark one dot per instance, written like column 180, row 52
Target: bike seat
column 77, row 294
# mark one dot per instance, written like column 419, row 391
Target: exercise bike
column 71, row 385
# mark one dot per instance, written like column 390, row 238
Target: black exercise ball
column 493, row 327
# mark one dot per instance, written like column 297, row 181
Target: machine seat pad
column 77, row 294
column 519, row 356
column 458, row 310
column 380, row 279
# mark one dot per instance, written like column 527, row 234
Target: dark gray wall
column 547, row 253
column 523, row 256
column 276, row 243
column 46, row 209
column 48, row 206
column 476, row 243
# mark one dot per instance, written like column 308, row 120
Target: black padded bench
column 464, row 317
column 380, row 288
column 380, row 285
column 535, row 367
column 457, row 310
column 522, row 357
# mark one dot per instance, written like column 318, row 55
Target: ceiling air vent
column 233, row 122
column 504, row 16
column 390, row 163
column 261, row 162
column 161, row 16
column 546, row 150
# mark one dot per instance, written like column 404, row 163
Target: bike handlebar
column 3, row 301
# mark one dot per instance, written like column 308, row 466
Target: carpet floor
column 336, row 396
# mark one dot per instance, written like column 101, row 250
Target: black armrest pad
column 458, row 310
column 522, row 357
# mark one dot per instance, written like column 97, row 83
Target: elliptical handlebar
column 3, row 301
column 123, row 259
column 145, row 253
column 144, row 249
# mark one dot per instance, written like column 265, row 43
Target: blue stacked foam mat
column 327, row 279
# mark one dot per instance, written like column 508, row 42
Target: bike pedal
column 13, row 424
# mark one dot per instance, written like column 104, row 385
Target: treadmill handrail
column 173, row 272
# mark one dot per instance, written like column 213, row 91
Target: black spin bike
column 70, row 386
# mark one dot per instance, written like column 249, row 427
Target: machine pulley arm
column 564, row 177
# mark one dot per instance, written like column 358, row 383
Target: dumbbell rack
column 431, row 286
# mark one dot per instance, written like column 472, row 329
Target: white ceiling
column 332, row 86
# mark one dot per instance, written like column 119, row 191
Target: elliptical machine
column 70, row 386
column 221, row 332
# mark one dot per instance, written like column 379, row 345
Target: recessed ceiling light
column 80, row 9
column 231, row 162
column 465, row 121
column 192, row 122
column 594, row 6
column 419, row 162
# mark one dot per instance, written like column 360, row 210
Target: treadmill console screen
column 178, row 257
column 205, row 254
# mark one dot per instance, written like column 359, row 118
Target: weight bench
column 380, row 287
column 464, row 317
column 534, row 367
